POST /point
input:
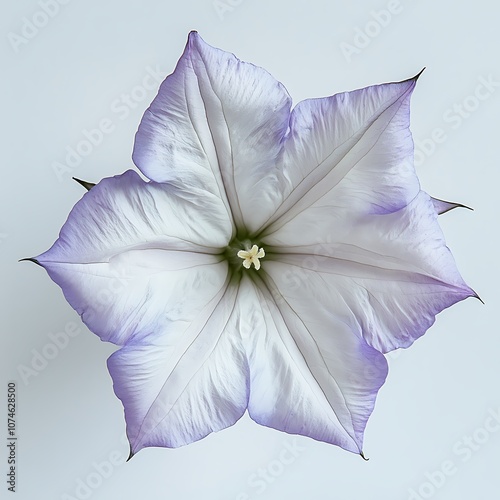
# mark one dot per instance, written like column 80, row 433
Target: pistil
column 252, row 256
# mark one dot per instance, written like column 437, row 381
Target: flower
column 270, row 261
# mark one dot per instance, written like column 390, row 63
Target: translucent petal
column 132, row 255
column 389, row 273
column 311, row 372
column 217, row 124
column 195, row 384
column 345, row 156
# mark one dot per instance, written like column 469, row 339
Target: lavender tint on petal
column 338, row 154
column 393, row 272
column 271, row 260
column 217, row 122
column 442, row 206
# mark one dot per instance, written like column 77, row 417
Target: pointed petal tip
column 443, row 206
column 131, row 454
column 472, row 293
column 413, row 78
column 417, row 76
column 31, row 259
column 193, row 37
column 459, row 205
column 362, row 455
column 476, row 296
column 87, row 185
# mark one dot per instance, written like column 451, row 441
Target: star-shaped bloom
column 271, row 259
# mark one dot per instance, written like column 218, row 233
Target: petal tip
column 194, row 37
column 476, row 296
column 443, row 206
column 413, row 79
column 362, row 455
column 87, row 185
column 417, row 76
column 456, row 205
column 31, row 259
column 472, row 293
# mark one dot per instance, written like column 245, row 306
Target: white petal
column 346, row 156
column 132, row 257
column 311, row 373
column 195, row 384
column 391, row 273
column 217, row 123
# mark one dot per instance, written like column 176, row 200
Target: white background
column 72, row 72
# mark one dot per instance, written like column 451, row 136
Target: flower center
column 252, row 256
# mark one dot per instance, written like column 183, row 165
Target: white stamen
column 252, row 256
